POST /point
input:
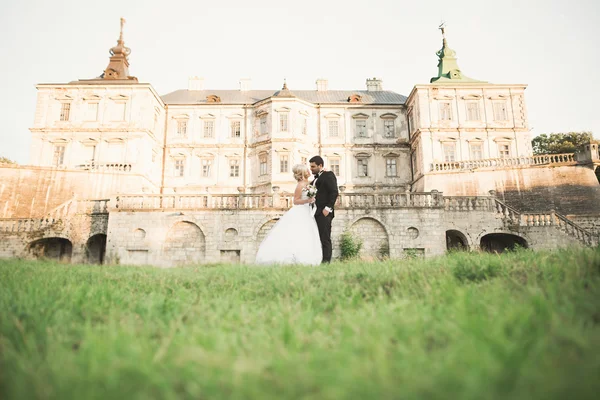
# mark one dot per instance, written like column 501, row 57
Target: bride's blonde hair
column 300, row 171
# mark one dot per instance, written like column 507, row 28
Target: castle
column 122, row 174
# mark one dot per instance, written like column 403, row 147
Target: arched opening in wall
column 456, row 241
column 374, row 238
column 54, row 248
column 264, row 230
column 185, row 244
column 597, row 170
column 95, row 248
column 501, row 242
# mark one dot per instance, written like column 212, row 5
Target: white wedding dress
column 294, row 239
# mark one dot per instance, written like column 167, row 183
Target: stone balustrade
column 542, row 159
column 15, row 225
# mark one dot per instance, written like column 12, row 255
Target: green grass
column 522, row 325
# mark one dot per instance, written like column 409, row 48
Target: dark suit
column 327, row 193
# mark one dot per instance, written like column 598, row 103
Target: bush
column 350, row 246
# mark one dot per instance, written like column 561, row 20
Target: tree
column 557, row 143
column 5, row 160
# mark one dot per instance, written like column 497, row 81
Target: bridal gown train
column 294, row 239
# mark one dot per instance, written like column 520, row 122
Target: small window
column 449, row 152
column 209, row 129
column 473, row 111
column 236, row 129
column 234, row 168
column 283, row 163
column 334, row 166
column 500, row 113
column 206, row 167
column 390, row 167
column 182, row 127
column 504, row 150
column 304, row 126
column 476, row 151
column 334, row 126
column 58, row 157
column 118, row 112
column 446, row 111
column 65, row 111
column 263, row 124
column 363, row 167
column 303, row 160
column 389, row 128
column 283, row 122
column 92, row 112
column 262, row 160
column 179, row 166
column 361, row 128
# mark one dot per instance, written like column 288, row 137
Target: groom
column 327, row 193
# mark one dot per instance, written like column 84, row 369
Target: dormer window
column 355, row 98
column 213, row 99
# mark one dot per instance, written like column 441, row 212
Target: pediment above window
column 333, row 115
column 304, row 112
column 448, row 139
column 362, row 155
column 89, row 141
column 64, row 97
column 391, row 155
column 471, row 97
column 443, row 97
column 261, row 113
column 499, row 97
column 283, row 109
column 92, row 97
column 205, row 155
column 120, row 97
column 503, row 139
column 388, row 116
column 181, row 116
column 59, row 141
column 235, row 116
column 360, row 116
column 207, row 116
column 114, row 140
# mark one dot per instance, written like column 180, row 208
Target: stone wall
column 572, row 190
column 33, row 192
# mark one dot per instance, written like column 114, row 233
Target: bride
column 295, row 237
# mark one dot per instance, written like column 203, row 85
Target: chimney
column 195, row 83
column 322, row 85
column 245, row 84
column 374, row 85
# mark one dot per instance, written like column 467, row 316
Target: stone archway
column 264, row 230
column 185, row 244
column 95, row 248
column 54, row 248
column 456, row 241
column 373, row 235
column 501, row 242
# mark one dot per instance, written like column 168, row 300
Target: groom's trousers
column 324, row 225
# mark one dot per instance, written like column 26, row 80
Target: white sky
column 553, row 46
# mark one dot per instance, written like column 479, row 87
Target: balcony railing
column 108, row 167
column 543, row 159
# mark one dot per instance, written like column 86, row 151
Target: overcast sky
column 553, row 46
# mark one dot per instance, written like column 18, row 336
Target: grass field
column 521, row 325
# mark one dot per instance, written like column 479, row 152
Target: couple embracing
column 303, row 234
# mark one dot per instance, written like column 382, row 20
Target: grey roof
column 185, row 96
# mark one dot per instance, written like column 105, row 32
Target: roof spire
column 284, row 92
column 118, row 66
column 448, row 70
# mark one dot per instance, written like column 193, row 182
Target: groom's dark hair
column 317, row 160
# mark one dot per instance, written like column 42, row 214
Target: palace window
column 449, row 152
column 333, row 127
column 363, row 167
column 236, row 129
column 263, row 124
column 334, row 166
column 234, row 168
column 206, row 167
column 304, row 126
column 476, row 151
column 58, row 156
column 262, row 162
column 390, row 167
column 504, row 150
column 389, row 128
column 283, row 122
column 304, row 160
column 473, row 111
column 445, row 111
column 361, row 128
column 91, row 112
column 65, row 111
column 209, row 129
column 118, row 111
column 179, row 166
column 182, row 125
column 500, row 113
column 283, row 163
